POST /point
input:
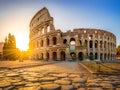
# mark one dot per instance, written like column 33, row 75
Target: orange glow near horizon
column 22, row 42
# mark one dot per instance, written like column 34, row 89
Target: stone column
column 51, row 41
column 58, row 54
column 58, row 38
column 50, row 55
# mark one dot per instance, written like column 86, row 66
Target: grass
column 103, row 67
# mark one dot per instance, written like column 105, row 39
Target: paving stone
column 9, row 88
column 15, row 80
column 32, row 79
column 51, row 87
column 63, row 82
column 67, row 87
column 4, row 83
column 94, row 88
column 19, row 83
column 30, row 88
column 74, row 76
column 79, row 80
column 12, row 74
column 47, row 79
column 40, row 76
column 60, row 75
column 33, row 84
column 81, row 89
column 106, row 85
column 92, row 84
column 77, row 85
column 65, row 79
column 42, row 83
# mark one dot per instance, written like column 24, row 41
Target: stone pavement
column 45, row 78
column 22, row 64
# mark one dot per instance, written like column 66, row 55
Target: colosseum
column 47, row 43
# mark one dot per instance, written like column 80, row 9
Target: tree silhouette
column 10, row 52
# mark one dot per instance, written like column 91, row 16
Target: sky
column 15, row 16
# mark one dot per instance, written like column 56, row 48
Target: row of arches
column 75, row 56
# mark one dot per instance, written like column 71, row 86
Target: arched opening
column 63, row 56
column 47, row 42
column 54, row 56
column 91, row 44
column 64, row 41
column 96, row 44
column 80, row 56
column 73, row 56
column 48, row 28
column 72, row 41
column 91, row 57
column 96, row 55
column 54, row 40
column 101, row 56
column 47, row 56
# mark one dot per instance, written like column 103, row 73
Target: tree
column 118, row 50
column 9, row 50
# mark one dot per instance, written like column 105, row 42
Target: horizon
column 15, row 16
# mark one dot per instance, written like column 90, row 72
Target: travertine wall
column 46, row 43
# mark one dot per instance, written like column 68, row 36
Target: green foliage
column 10, row 52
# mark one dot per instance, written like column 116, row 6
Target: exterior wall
column 46, row 43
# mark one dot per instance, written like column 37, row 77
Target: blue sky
column 15, row 15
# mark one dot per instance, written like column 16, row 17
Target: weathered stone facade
column 46, row 43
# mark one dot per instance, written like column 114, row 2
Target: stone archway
column 73, row 56
column 80, row 56
column 54, row 56
column 91, row 57
column 47, row 56
column 63, row 56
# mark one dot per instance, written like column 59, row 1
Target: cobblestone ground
column 57, row 76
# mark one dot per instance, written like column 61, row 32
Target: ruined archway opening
column 54, row 56
column 91, row 56
column 64, row 41
column 48, row 42
column 101, row 56
column 96, row 55
column 73, row 55
column 72, row 41
column 80, row 56
column 91, row 44
column 63, row 56
column 54, row 40
column 47, row 56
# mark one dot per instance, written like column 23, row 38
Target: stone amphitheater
column 47, row 43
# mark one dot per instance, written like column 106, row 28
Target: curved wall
column 80, row 44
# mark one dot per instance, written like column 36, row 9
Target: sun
column 22, row 42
